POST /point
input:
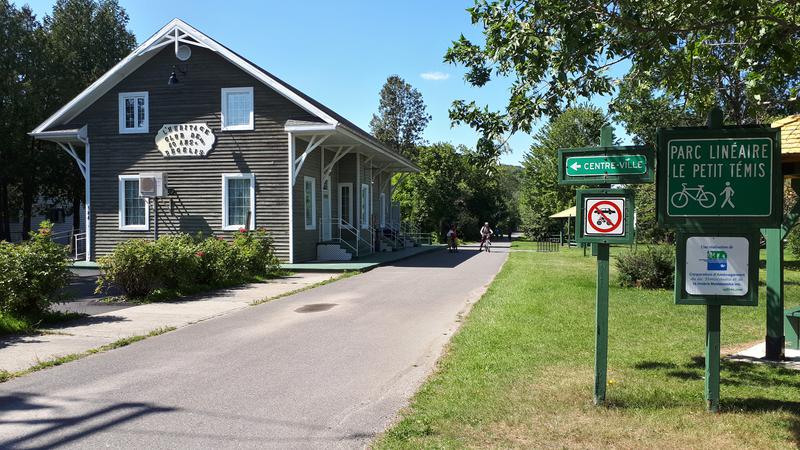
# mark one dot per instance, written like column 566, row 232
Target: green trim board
column 628, row 164
column 604, row 216
column 717, row 268
column 719, row 176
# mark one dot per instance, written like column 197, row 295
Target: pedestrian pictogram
column 604, row 216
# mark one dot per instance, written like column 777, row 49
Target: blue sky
column 340, row 52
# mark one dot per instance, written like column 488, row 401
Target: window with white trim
column 134, row 213
column 365, row 200
column 310, row 202
column 346, row 204
column 238, row 201
column 237, row 108
column 133, row 112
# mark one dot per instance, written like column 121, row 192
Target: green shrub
column 177, row 260
column 648, row 267
column 134, row 267
column 32, row 274
column 257, row 250
column 181, row 263
column 221, row 263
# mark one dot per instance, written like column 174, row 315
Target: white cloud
column 435, row 76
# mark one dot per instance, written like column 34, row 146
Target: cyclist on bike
column 486, row 236
column 452, row 239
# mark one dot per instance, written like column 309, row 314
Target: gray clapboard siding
column 197, row 182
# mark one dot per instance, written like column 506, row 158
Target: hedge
column 183, row 263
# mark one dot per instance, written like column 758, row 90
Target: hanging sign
column 718, row 175
column 717, row 269
column 604, row 216
column 185, row 139
column 629, row 164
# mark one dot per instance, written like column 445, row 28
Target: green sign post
column 604, row 216
column 717, row 185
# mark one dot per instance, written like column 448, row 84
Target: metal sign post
column 604, row 216
column 717, row 185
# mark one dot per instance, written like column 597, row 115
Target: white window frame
column 365, row 202
column 382, row 205
column 121, row 198
column 349, row 204
column 247, row 90
column 142, row 128
column 238, row 176
column 313, row 225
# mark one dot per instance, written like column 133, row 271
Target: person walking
column 486, row 236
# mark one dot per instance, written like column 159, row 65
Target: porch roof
column 66, row 136
column 338, row 136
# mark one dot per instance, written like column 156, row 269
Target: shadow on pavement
column 49, row 432
column 438, row 259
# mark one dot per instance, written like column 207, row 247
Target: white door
column 326, row 209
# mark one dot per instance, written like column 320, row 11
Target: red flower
column 242, row 230
column 200, row 254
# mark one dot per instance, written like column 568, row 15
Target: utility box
column 152, row 184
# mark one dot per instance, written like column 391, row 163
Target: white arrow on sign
column 575, row 166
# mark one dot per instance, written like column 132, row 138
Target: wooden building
column 234, row 146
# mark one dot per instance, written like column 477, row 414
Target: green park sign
column 710, row 176
column 630, row 164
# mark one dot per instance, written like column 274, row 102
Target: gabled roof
column 178, row 31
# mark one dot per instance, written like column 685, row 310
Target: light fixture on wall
column 173, row 77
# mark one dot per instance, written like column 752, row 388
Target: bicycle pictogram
column 681, row 199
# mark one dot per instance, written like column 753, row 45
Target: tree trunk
column 5, row 214
column 27, row 205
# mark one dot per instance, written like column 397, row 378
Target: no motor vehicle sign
column 604, row 216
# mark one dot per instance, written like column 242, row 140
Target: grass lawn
column 15, row 325
column 520, row 371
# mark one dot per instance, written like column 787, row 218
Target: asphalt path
column 326, row 368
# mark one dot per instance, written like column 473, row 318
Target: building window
column 133, row 112
column 365, row 206
column 237, row 108
column 310, row 202
column 346, row 204
column 383, row 209
column 133, row 211
column 238, row 201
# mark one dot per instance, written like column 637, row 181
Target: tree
column 20, row 59
column 43, row 67
column 541, row 194
column 451, row 189
column 743, row 54
column 401, row 117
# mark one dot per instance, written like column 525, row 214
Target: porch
column 362, row 264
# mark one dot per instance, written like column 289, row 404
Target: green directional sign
column 720, row 175
column 628, row 164
column 588, row 166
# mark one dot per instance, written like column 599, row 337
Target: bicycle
column 487, row 243
column 703, row 198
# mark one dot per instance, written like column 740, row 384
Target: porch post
column 88, row 199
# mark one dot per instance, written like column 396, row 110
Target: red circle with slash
column 613, row 225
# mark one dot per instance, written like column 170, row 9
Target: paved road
column 326, row 368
